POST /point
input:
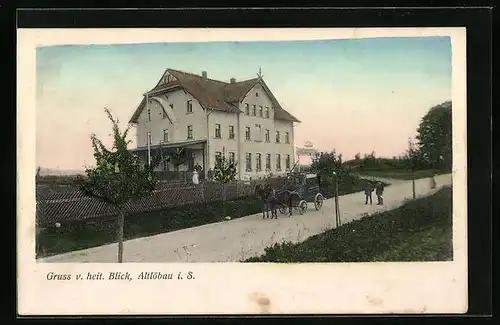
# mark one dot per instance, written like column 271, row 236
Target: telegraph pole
column 149, row 132
column 338, row 222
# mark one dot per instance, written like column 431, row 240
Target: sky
column 351, row 95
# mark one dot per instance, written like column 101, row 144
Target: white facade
column 171, row 126
column 176, row 120
column 251, row 150
column 259, row 143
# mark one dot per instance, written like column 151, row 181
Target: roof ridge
column 220, row 81
column 246, row 80
column 197, row 75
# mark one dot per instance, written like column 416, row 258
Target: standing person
column 379, row 190
column 195, row 177
column 368, row 192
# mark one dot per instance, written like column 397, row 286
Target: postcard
column 248, row 171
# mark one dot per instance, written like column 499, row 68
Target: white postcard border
column 234, row 288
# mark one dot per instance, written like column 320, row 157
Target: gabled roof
column 213, row 94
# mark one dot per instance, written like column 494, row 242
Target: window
column 247, row 109
column 248, row 162
column 231, row 158
column 149, row 113
column 258, row 131
column 277, row 136
column 268, row 161
column 258, row 162
column 163, row 113
column 267, row 112
column 254, row 110
column 148, row 137
column 247, row 133
column 287, row 162
column 256, row 94
column 217, row 131
column 231, row 132
column 189, row 108
column 165, row 135
column 268, row 138
column 218, row 156
column 190, row 131
column 287, row 137
column 260, row 111
column 278, row 162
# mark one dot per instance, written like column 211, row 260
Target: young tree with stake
column 224, row 172
column 412, row 156
column 119, row 178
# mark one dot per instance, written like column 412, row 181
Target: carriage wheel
column 302, row 207
column 318, row 201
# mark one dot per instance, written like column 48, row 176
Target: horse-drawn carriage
column 299, row 190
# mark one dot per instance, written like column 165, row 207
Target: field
column 402, row 174
column 420, row 230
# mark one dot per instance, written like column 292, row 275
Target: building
column 195, row 119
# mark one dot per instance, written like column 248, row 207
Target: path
column 239, row 239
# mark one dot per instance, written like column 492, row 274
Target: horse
column 268, row 197
column 272, row 201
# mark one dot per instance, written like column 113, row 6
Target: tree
column 329, row 166
column 357, row 156
column 119, row 178
column 435, row 136
column 326, row 162
column 224, row 172
column 369, row 160
column 178, row 157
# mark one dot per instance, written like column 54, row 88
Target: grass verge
column 420, row 230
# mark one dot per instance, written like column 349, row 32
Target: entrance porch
column 177, row 160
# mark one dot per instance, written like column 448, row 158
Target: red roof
column 214, row 94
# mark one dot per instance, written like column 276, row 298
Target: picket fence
column 66, row 203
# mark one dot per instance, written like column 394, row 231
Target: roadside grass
column 402, row 174
column 420, row 230
column 76, row 235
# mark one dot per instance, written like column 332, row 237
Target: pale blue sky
column 354, row 95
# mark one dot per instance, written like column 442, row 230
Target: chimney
column 204, row 74
column 233, row 80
